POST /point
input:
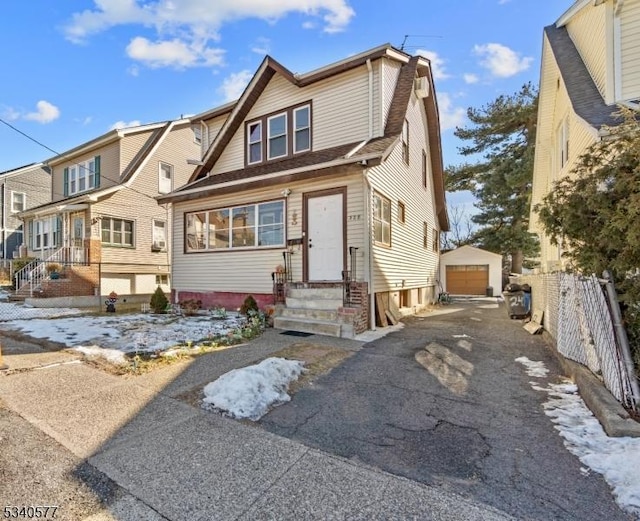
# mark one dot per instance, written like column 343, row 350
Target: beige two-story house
column 103, row 224
column 326, row 185
column 590, row 65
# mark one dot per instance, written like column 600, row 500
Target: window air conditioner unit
column 16, row 254
column 421, row 86
column 158, row 246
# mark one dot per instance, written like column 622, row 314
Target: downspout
column 368, row 258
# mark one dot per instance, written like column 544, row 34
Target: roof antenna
column 404, row 41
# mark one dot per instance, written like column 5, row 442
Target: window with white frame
column 165, row 178
column 18, row 201
column 381, row 220
column 254, row 143
column 302, row 129
column 81, row 177
column 159, row 235
column 279, row 135
column 116, row 232
column 46, row 233
column 197, row 134
column 162, row 279
column 258, row 225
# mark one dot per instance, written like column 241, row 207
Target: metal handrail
column 36, row 271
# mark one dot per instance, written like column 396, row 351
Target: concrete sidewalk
column 179, row 462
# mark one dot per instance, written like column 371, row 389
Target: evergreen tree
column 503, row 133
column 595, row 210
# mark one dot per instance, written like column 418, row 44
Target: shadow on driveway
column 444, row 403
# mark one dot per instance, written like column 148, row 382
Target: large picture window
column 381, row 220
column 250, row 226
column 279, row 135
column 81, row 177
column 117, row 232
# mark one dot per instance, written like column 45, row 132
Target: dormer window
column 302, row 129
column 288, row 132
column 277, row 136
column 254, row 143
column 82, row 177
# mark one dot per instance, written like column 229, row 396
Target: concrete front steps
column 315, row 311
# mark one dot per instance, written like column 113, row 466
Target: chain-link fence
column 577, row 314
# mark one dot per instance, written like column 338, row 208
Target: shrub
column 159, row 301
column 190, row 306
column 249, row 304
column 53, row 267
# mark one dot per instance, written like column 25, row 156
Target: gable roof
column 158, row 132
column 586, row 100
column 256, row 86
column 371, row 151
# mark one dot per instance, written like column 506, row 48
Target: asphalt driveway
column 460, row 414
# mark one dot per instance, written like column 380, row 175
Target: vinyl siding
column 388, row 78
column 250, row 270
column 588, row 32
column 109, row 168
column 35, row 183
column 407, row 263
column 630, row 50
column 340, row 107
column 554, row 106
column 130, row 146
column 176, row 147
column 213, row 128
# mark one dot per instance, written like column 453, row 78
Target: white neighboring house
column 336, row 175
column 471, row 271
column 590, row 66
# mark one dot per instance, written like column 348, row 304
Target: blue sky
column 74, row 70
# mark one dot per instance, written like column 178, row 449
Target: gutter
column 177, row 196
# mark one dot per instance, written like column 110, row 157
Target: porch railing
column 31, row 275
column 280, row 278
column 349, row 276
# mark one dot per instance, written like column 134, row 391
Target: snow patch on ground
column 111, row 355
column 249, row 392
column 535, row 369
column 617, row 459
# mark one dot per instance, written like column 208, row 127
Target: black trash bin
column 517, row 303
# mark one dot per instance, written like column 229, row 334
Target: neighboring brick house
column 103, row 223
column 20, row 188
column 329, row 183
column 590, row 65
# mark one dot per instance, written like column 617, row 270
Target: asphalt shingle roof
column 585, row 97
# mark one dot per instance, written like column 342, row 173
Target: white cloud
column 234, row 85
column 500, row 60
column 45, row 113
column 184, row 28
column 10, row 113
column 262, row 46
column 172, row 53
column 437, row 64
column 123, row 124
column 471, row 78
column 450, row 116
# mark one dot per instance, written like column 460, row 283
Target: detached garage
column 470, row 271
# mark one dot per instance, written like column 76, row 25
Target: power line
column 79, row 165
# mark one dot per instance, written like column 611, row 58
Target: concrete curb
column 614, row 418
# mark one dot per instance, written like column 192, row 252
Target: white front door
column 325, row 237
